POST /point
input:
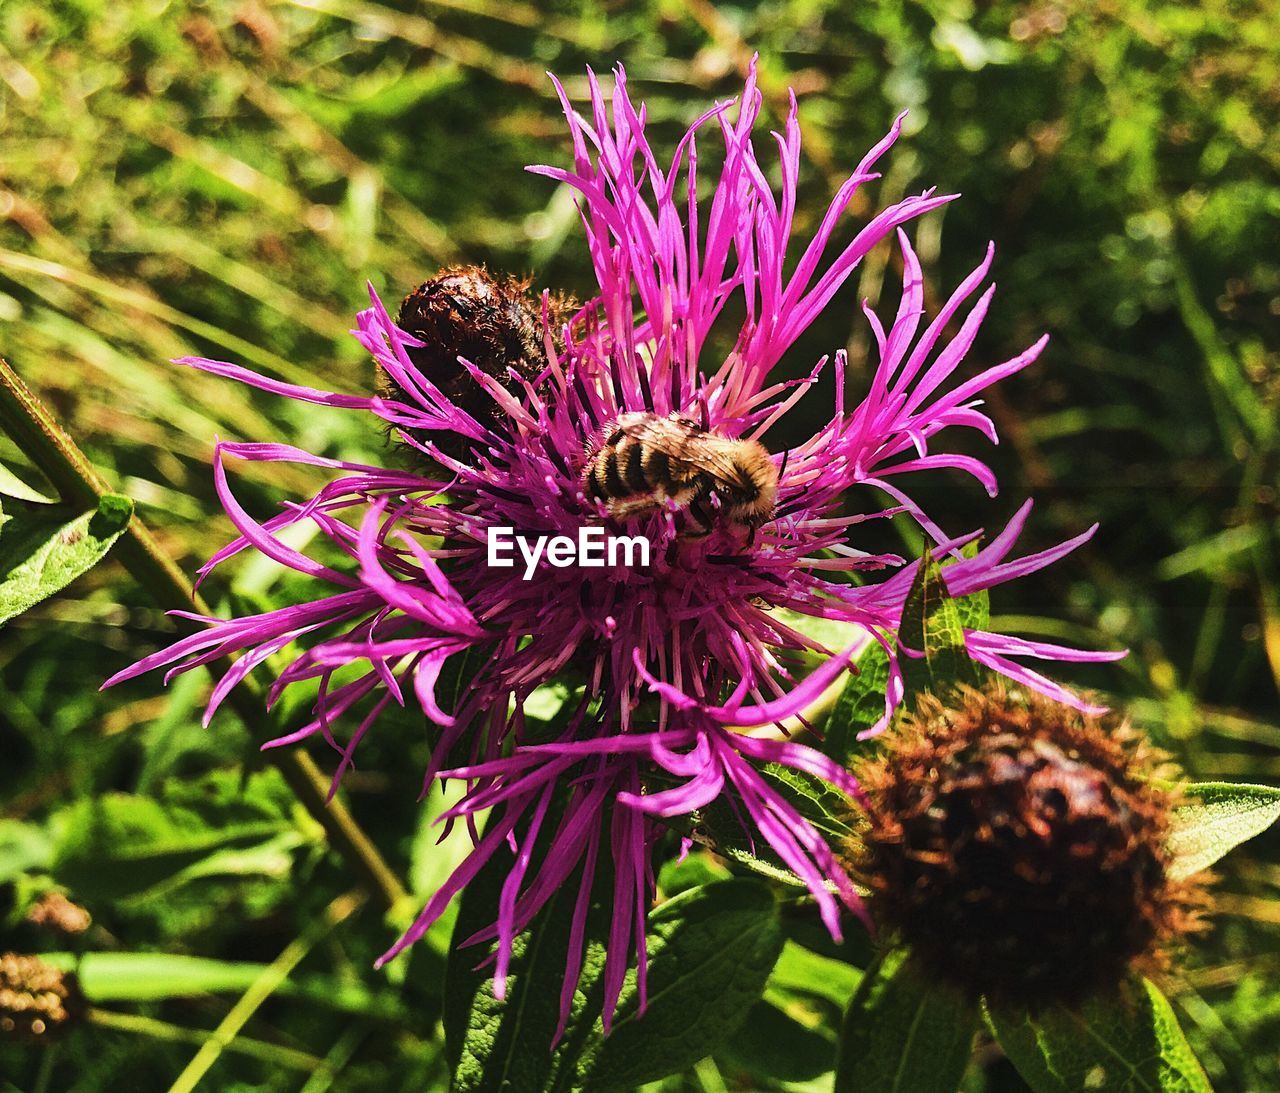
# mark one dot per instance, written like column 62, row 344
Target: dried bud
column 1019, row 848
column 54, row 912
column 494, row 323
column 37, row 1000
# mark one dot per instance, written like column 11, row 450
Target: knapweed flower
column 669, row 657
column 1019, row 847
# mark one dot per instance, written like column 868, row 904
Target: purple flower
column 674, row 658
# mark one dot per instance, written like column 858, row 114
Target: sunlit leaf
column 904, row 1034
column 1131, row 1044
column 801, row 970
column 719, row 825
column 1219, row 817
column 42, row 554
column 153, row 977
column 933, row 625
column 860, row 705
column 696, row 869
column 23, row 847
column 119, row 845
column 710, row 953
column 711, row 950
column 13, row 486
column 494, row 1043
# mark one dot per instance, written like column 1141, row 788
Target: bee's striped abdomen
column 646, row 462
column 631, row 458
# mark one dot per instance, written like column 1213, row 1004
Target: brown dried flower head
column 1019, row 848
column 494, row 322
column 37, row 1000
column 54, row 912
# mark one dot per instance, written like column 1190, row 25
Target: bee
column 646, row 461
column 494, row 322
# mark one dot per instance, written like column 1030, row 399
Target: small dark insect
column 493, row 322
column 646, row 461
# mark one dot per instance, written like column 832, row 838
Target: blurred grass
column 223, row 177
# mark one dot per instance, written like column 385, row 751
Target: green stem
column 33, row 428
column 47, row 1063
column 260, row 990
column 175, row 1034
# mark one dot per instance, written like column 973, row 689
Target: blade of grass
column 419, row 32
column 151, row 1027
column 191, row 249
column 272, row 976
column 336, row 1059
column 127, row 297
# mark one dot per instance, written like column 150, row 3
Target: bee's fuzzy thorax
column 1019, row 847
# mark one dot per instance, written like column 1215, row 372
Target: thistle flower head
column 667, row 657
column 1019, row 847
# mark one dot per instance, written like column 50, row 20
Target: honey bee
column 646, row 461
column 492, row 321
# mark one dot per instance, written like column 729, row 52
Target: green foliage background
column 223, row 177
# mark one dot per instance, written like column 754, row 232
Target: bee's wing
column 675, row 438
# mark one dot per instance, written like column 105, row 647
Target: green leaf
column 1130, row 1044
column 903, row 1034
column 1220, row 817
column 711, row 950
column 773, row 1044
column 547, row 700
column 932, row 624
column 506, row 1044
column 13, row 486
column 150, row 977
column 118, row 845
column 41, row 555
column 791, row 1034
column 827, row 809
column 154, row 977
column 860, row 705
column 710, row 953
column 698, row 868
column 975, row 608
column 24, row 847
column 802, row 971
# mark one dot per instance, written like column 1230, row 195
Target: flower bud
column 1019, row 848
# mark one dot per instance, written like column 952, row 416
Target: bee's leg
column 700, row 510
